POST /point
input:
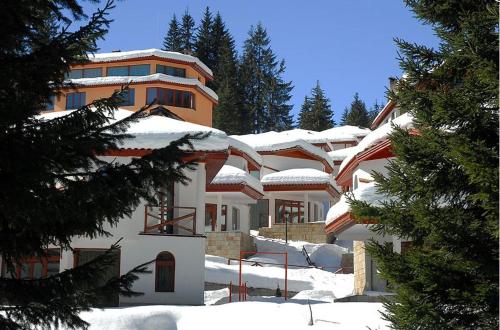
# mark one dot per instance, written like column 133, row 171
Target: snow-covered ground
column 240, row 315
column 270, row 276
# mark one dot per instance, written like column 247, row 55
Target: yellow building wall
column 201, row 114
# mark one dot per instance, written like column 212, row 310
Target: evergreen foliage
column 444, row 180
column 187, row 36
column 54, row 186
column 265, row 93
column 375, row 110
column 172, row 41
column 203, row 45
column 316, row 113
column 356, row 114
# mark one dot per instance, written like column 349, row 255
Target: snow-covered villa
column 255, row 181
column 355, row 175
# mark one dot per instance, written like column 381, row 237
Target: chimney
column 392, row 83
column 116, row 51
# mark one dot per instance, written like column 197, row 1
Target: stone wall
column 360, row 269
column 228, row 244
column 312, row 232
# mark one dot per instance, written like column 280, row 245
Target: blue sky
column 347, row 45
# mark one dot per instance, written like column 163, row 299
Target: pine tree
column 187, row 33
column 305, row 114
column 54, row 186
column 172, row 41
column 444, row 180
column 375, row 110
column 356, row 115
column 229, row 114
column 219, row 35
column 316, row 113
column 265, row 92
column 203, row 46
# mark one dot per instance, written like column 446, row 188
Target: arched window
column 165, row 272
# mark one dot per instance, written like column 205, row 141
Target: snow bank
column 232, row 175
column 344, row 133
column 306, row 135
column 122, row 80
column 136, row 54
column 341, row 154
column 243, row 147
column 274, row 141
column 366, row 193
column 154, row 132
column 248, row 315
column 404, row 121
column 296, row 176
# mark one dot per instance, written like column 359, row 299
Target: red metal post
column 286, row 275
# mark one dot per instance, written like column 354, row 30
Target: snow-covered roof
column 274, row 141
column 296, row 176
column 365, row 193
column 136, row 54
column 306, row 135
column 122, row 80
column 232, row 175
column 154, row 132
column 341, row 154
column 344, row 133
column 242, row 146
column 404, row 121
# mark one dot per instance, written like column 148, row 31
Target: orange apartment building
column 176, row 81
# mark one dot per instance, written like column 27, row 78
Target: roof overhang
column 214, row 160
column 299, row 152
column 253, row 165
column 149, row 82
column 344, row 222
column 383, row 114
column 236, row 188
column 326, row 187
column 378, row 151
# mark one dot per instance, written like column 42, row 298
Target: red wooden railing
column 156, row 219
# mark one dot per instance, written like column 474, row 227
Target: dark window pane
column 128, row 97
column 37, row 270
column 50, row 103
column 75, row 74
column 151, row 94
column 52, row 268
column 118, row 71
column 178, row 98
column 139, row 70
column 186, row 100
column 169, row 97
column 92, row 73
column 180, row 72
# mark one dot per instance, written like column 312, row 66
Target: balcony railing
column 161, row 220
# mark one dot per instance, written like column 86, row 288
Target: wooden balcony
column 176, row 220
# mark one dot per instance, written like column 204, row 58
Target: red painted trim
column 344, row 222
column 378, row 151
column 383, row 114
column 252, row 163
column 237, row 187
column 303, row 187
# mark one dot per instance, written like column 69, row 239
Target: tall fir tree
column 54, row 186
column 356, row 114
column 316, row 113
column 203, row 45
column 187, row 33
column 264, row 90
column 375, row 110
column 172, row 41
column 444, row 181
column 229, row 114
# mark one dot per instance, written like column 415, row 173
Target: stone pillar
column 272, row 212
column 361, row 272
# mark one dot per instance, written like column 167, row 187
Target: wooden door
column 210, row 217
